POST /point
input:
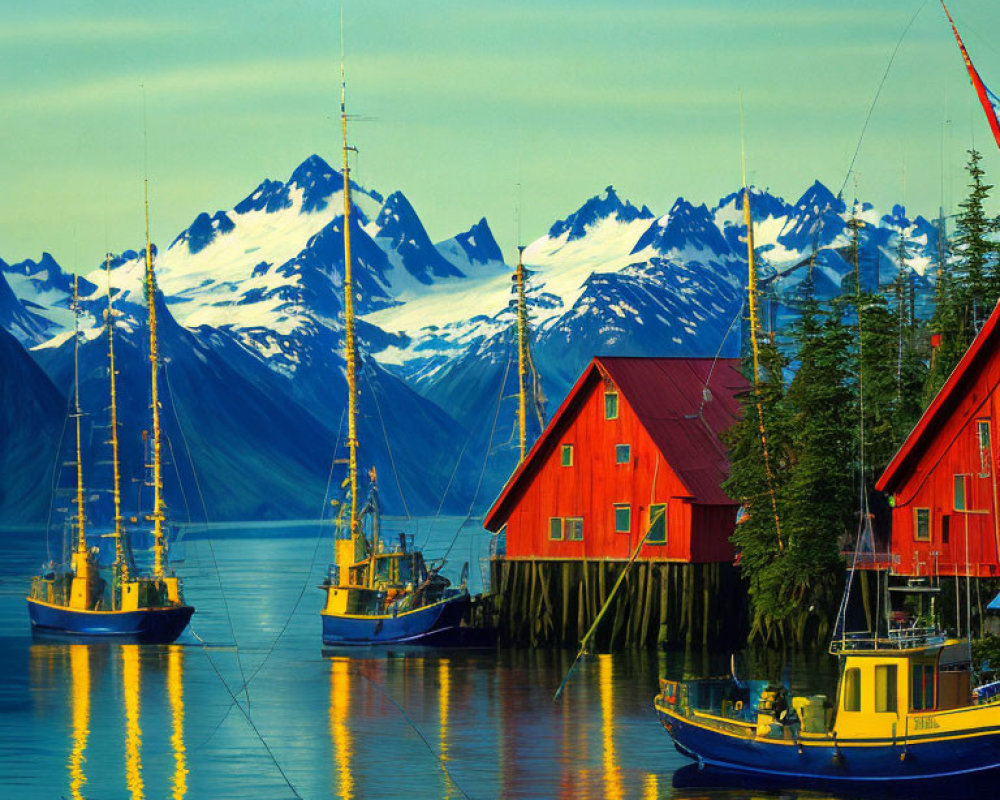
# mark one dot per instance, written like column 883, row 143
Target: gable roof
column 667, row 397
column 943, row 405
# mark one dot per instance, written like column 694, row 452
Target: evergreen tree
column 968, row 283
column 759, row 452
column 820, row 491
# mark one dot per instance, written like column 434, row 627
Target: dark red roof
column 668, row 396
column 982, row 347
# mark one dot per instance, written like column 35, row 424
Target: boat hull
column 821, row 760
column 148, row 625
column 437, row 624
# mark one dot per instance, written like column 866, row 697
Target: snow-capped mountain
column 256, row 291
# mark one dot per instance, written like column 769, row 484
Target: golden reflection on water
column 131, row 676
column 612, row 772
column 340, row 733
column 444, row 699
column 79, row 658
column 175, row 693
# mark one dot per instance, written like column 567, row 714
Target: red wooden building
column 634, row 435
column 943, row 481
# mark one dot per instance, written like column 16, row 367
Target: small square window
column 960, row 493
column 555, row 529
column 574, row 529
column 622, row 453
column 623, row 518
column 567, row 455
column 922, row 524
column 611, row 405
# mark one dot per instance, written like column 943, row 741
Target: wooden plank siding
column 595, row 484
column 945, row 446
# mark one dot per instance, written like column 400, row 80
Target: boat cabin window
column 611, row 405
column 983, row 438
column 555, row 529
column 852, row 689
column 574, row 529
column 922, row 687
column 960, row 492
column 623, row 518
column 657, row 524
column 922, row 524
column 567, row 455
column 885, row 688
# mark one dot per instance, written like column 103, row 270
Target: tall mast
column 522, row 351
column 752, row 303
column 81, row 533
column 121, row 563
column 158, row 514
column 352, row 392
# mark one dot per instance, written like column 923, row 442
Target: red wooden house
column 943, row 481
column 634, row 436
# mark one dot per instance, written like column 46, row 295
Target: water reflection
column 444, row 700
column 131, row 675
column 612, row 772
column 79, row 656
column 340, row 733
column 175, row 692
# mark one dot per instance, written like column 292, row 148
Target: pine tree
column 968, row 283
column 979, row 288
column 758, row 482
column 820, row 492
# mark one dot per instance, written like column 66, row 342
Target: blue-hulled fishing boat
column 904, row 711
column 133, row 606
column 377, row 591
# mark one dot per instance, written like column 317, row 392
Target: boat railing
column 906, row 638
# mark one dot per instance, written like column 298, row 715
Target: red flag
column 990, row 102
column 935, row 341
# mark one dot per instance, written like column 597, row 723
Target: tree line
column 836, row 396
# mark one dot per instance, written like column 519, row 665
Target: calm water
column 126, row 721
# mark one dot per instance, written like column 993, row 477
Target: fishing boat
column 905, row 710
column 379, row 590
column 78, row 601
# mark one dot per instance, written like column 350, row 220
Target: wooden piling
column 545, row 604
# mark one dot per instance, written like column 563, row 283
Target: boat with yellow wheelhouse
column 136, row 605
column 905, row 710
column 379, row 590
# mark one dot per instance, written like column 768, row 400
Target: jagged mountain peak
column 204, row 230
column 399, row 227
column 314, row 179
column 763, row 204
column 479, row 243
column 599, row 207
column 685, row 226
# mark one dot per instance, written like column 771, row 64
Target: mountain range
column 251, row 310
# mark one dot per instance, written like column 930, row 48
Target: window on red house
column 983, row 437
column 922, row 524
column 623, row 518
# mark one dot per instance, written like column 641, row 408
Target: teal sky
column 460, row 101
